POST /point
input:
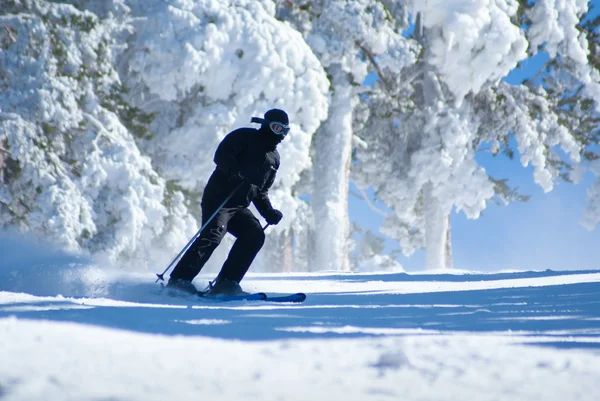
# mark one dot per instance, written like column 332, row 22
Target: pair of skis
column 258, row 296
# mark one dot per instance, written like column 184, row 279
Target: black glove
column 273, row 216
column 236, row 176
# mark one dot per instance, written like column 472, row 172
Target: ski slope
column 71, row 330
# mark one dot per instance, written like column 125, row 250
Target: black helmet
column 276, row 120
column 277, row 115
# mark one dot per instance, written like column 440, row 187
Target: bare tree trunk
column 2, row 161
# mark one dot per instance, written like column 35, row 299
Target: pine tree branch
column 531, row 81
column 10, row 210
column 365, row 197
column 372, row 60
column 10, row 34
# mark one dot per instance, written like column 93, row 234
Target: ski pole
column 185, row 248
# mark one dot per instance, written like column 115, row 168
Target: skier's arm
column 228, row 152
column 261, row 201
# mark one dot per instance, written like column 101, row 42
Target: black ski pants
column 242, row 224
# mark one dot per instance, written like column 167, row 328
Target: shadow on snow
column 559, row 315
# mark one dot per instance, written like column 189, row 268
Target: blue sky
column 543, row 233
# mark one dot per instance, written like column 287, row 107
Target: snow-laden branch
column 364, row 196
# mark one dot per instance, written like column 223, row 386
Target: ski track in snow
column 70, row 330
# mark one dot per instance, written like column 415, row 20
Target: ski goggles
column 279, row 128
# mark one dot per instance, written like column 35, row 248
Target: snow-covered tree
column 340, row 33
column 205, row 68
column 71, row 170
column 111, row 112
column 571, row 82
column 368, row 252
column 427, row 120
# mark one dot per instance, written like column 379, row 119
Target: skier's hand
column 236, row 176
column 273, row 216
column 246, row 175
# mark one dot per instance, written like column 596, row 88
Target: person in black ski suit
column 246, row 164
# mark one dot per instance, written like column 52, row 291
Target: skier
column 246, row 164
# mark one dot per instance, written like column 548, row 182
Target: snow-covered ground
column 70, row 330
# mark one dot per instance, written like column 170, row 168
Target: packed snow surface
column 73, row 330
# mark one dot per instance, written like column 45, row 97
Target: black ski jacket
column 250, row 153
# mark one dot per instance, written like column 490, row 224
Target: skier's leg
column 250, row 239
column 200, row 251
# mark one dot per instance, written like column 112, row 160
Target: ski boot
column 182, row 286
column 224, row 287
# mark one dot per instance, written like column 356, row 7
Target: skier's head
column 274, row 126
column 277, row 121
